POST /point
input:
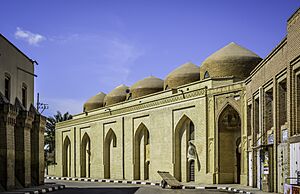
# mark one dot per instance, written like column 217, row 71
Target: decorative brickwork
column 273, row 90
column 23, row 147
column 242, row 123
column 37, row 150
column 7, row 145
column 17, row 127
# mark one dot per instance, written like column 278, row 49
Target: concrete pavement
column 78, row 187
column 237, row 188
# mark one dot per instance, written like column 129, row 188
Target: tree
column 50, row 135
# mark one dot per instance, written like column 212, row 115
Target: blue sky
column 84, row 47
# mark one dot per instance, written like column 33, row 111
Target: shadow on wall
column 51, row 170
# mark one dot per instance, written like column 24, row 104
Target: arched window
column 7, row 86
column 192, row 131
column 24, row 95
column 147, row 137
column 206, row 75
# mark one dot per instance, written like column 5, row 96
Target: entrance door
column 229, row 133
column 294, row 160
column 192, row 170
column 259, row 170
column 282, row 158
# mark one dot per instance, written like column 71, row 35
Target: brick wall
column 293, row 36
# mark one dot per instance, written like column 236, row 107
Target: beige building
column 226, row 121
column 21, row 127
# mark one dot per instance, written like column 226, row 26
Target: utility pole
column 40, row 106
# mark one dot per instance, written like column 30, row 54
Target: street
column 78, row 187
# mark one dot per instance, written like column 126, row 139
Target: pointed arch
column 85, row 161
column 181, row 121
column 141, row 152
column 230, row 103
column 229, row 111
column 206, row 75
column 110, row 140
column 66, row 157
column 184, row 133
column 229, row 134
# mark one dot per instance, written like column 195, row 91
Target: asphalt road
column 77, row 187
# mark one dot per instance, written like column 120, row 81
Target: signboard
column 266, row 163
column 284, row 135
column 258, row 141
column 271, row 138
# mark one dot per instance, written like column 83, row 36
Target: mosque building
column 234, row 119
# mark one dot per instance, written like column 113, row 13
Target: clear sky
column 87, row 46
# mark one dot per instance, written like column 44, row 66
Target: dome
column 184, row 74
column 116, row 95
column 94, row 102
column 231, row 60
column 146, row 86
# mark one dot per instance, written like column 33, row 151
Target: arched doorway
column 184, row 167
column 141, row 153
column 229, row 126
column 85, row 156
column 109, row 143
column 67, row 157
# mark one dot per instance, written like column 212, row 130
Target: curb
column 147, row 183
column 237, row 190
column 39, row 190
column 103, row 180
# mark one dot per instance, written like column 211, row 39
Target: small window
column 192, row 131
column 24, row 95
column 206, row 75
column 7, row 87
column 147, row 137
column 167, row 87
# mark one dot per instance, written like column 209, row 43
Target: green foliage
column 50, row 135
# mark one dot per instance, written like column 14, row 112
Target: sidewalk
column 38, row 189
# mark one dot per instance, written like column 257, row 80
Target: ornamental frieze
column 159, row 102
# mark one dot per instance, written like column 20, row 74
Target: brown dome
column 231, row 60
column 116, row 95
column 184, row 74
column 146, row 86
column 94, row 102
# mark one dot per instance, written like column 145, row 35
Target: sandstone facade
column 234, row 122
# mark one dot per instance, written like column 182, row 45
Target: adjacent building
column 273, row 113
column 234, row 119
column 21, row 126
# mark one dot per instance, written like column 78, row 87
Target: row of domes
column 231, row 60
